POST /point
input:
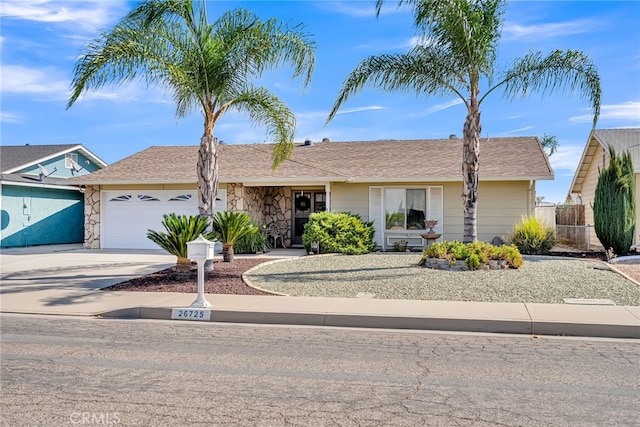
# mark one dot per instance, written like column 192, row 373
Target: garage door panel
column 128, row 214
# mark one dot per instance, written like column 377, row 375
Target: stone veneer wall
column 278, row 210
column 92, row 218
column 445, row 264
column 269, row 205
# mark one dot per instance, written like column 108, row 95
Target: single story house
column 596, row 156
column 38, row 205
column 396, row 184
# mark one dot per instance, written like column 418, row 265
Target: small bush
column 401, row 246
column 473, row 254
column 532, row 236
column 341, row 232
column 253, row 242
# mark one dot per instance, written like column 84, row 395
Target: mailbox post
column 200, row 250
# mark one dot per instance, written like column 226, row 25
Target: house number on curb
column 190, row 314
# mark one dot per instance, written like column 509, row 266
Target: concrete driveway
column 52, row 279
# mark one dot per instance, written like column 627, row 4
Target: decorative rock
column 497, row 241
column 444, row 264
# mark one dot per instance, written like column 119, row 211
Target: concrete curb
column 624, row 322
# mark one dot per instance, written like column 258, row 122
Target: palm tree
column 458, row 57
column 180, row 229
column 209, row 67
column 229, row 227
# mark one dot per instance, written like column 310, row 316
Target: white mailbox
column 200, row 248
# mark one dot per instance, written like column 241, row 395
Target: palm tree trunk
column 207, row 175
column 207, row 171
column 470, row 167
column 227, row 252
column 183, row 268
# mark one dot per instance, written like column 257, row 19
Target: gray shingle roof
column 620, row 139
column 13, row 156
column 365, row 161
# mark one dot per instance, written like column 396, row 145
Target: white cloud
column 629, row 110
column 514, row 31
column 360, row 109
column 566, row 158
column 437, row 108
column 19, row 79
column 53, row 86
column 518, row 130
column 88, row 15
column 6, row 117
column 356, row 9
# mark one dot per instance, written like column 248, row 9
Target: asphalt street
column 59, row 370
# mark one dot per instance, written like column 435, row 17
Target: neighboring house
column 595, row 157
column 38, row 205
column 396, row 184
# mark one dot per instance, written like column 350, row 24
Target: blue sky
column 41, row 39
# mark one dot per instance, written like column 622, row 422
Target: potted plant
column 430, row 224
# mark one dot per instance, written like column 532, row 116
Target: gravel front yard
column 397, row 276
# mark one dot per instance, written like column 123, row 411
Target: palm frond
column 266, row 109
column 230, row 226
column 425, row 70
column 568, row 70
column 180, row 229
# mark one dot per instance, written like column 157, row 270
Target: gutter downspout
column 530, row 194
column 327, row 190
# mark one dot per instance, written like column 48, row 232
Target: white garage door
column 127, row 215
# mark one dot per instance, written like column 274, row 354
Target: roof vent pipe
column 308, row 142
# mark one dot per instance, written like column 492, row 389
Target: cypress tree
column 614, row 205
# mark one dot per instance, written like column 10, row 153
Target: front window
column 405, row 208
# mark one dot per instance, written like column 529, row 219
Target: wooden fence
column 570, row 215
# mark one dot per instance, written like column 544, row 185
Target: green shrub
column 614, row 207
column 253, row 242
column 474, row 254
column 532, row 236
column 180, row 229
column 339, row 232
column 401, row 246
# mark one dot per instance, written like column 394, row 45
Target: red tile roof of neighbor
column 511, row 158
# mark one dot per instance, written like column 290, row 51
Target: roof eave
column 79, row 147
column 132, row 182
column 576, row 182
column 451, row 179
column 39, row 185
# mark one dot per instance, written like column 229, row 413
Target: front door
column 304, row 203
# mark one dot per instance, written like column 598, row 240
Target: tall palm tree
column 458, row 57
column 206, row 66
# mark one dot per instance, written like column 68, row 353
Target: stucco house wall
column 500, row 205
column 38, row 205
column 596, row 157
column 41, row 216
column 387, row 181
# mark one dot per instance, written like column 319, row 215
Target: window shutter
column 375, row 214
column 436, row 207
